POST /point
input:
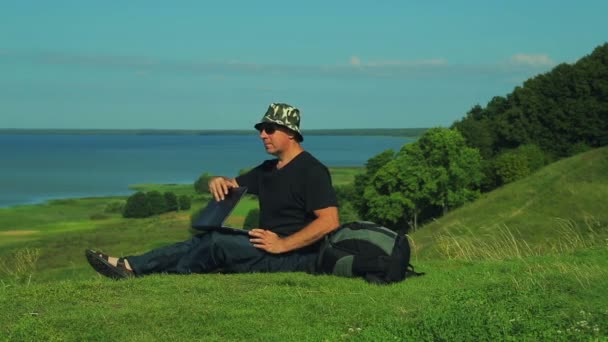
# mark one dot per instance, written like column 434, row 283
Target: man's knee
column 225, row 245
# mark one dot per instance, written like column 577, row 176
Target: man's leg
column 236, row 254
column 167, row 259
column 216, row 251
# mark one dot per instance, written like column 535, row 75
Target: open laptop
column 212, row 217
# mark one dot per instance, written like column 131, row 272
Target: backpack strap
column 411, row 272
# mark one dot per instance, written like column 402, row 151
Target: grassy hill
column 557, row 208
column 545, row 292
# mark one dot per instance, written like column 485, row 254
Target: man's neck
column 289, row 155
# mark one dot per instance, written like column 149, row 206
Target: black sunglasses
column 269, row 128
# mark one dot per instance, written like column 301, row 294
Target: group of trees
column 553, row 115
column 424, row 179
column 151, row 203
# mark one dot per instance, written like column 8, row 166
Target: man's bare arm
column 219, row 186
column 327, row 220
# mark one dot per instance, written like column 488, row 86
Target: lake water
column 35, row 168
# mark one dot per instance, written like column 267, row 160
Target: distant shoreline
column 397, row 132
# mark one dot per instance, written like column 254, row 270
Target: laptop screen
column 215, row 213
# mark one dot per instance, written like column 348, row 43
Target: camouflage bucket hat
column 284, row 115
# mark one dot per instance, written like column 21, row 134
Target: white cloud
column 356, row 61
column 532, row 59
column 355, row 66
column 408, row 63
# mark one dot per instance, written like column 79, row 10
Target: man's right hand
column 219, row 186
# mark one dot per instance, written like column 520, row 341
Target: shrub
column 347, row 212
column 98, row 216
column 137, row 206
column 535, row 157
column 201, row 185
column 184, row 202
column 511, row 166
column 157, row 203
column 171, row 201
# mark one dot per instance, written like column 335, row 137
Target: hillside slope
column 561, row 201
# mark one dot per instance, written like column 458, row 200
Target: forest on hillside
column 550, row 116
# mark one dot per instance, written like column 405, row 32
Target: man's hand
column 267, row 240
column 219, row 186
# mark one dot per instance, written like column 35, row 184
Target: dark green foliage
column 115, row 207
column 171, row 201
column 201, row 184
column 477, row 131
column 184, row 202
column 535, row 157
column 137, row 206
column 437, row 171
column 252, row 220
column 510, row 166
column 347, row 211
column 344, row 193
column 515, row 164
column 556, row 111
column 362, row 180
column 157, row 202
column 454, row 168
column 577, row 148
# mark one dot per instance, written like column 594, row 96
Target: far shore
column 340, row 174
column 396, row 132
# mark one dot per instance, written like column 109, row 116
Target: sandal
column 100, row 263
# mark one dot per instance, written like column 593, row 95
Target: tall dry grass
column 19, row 267
column 508, row 243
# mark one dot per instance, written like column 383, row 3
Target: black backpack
column 368, row 250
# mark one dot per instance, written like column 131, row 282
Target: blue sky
column 217, row 65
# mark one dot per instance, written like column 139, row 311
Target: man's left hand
column 267, row 240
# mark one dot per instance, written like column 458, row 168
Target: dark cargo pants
column 214, row 251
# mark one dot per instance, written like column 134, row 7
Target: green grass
column 344, row 175
column 544, row 298
column 563, row 200
column 526, row 262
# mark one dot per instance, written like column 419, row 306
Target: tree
column 454, row 167
column 184, row 202
column 171, row 201
column 344, row 195
column 362, row 180
column 201, row 185
column 555, row 110
column 401, row 189
column 137, row 206
column 437, row 170
column 477, row 130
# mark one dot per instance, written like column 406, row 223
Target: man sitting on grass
column 298, row 207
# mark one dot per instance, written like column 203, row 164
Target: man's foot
column 115, row 268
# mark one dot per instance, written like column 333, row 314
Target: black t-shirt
column 289, row 196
